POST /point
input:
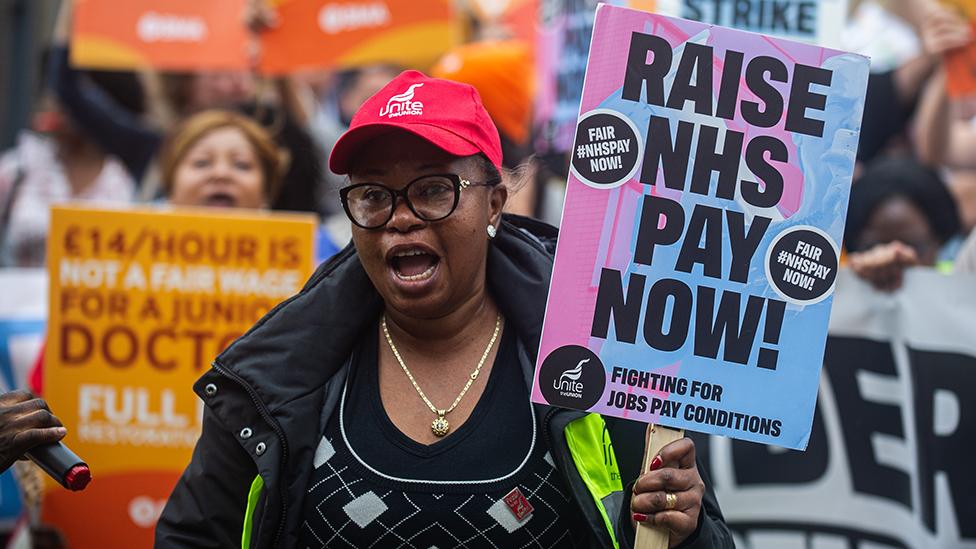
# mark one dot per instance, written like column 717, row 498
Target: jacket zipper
column 266, row 415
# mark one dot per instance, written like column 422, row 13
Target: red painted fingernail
column 640, row 517
column 655, row 463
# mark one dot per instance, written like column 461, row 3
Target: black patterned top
column 491, row 483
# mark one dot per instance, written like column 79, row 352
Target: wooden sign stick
column 649, row 537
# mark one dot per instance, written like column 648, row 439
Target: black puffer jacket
column 266, row 393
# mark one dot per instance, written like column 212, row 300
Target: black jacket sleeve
column 206, row 508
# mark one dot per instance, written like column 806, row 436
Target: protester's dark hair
column 890, row 178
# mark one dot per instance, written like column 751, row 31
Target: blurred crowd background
column 74, row 134
column 242, row 139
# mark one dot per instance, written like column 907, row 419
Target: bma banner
column 818, row 22
column 317, row 34
column 141, row 301
column 699, row 237
column 211, row 34
column 889, row 463
column 163, row 34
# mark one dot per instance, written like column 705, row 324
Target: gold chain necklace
column 440, row 425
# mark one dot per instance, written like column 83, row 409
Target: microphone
column 62, row 464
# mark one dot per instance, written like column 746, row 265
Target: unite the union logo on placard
column 572, row 376
column 568, row 383
column 403, row 104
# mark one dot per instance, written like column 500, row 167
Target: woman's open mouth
column 220, row 200
column 413, row 264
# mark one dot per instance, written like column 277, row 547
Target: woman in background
column 901, row 214
column 221, row 159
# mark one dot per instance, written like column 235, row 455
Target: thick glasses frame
column 458, row 182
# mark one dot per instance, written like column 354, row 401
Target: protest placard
column 699, row 240
column 562, row 45
column 163, row 34
column 961, row 63
column 310, row 34
column 141, row 301
column 315, row 34
column 888, row 462
column 818, row 22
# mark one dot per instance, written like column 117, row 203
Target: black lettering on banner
column 744, row 243
column 693, row 11
column 729, row 87
column 801, row 99
column 640, row 73
column 693, row 81
column 843, row 358
column 771, row 192
column 650, row 233
column 937, row 388
column 806, row 20
column 625, row 310
column 705, row 221
column 737, row 328
column 941, row 451
column 756, row 72
column 671, row 157
column 759, row 464
column 790, row 17
column 664, row 292
column 708, row 160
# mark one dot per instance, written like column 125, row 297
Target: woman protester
column 221, row 159
column 387, row 404
column 901, row 215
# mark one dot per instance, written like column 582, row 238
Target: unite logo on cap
column 403, row 104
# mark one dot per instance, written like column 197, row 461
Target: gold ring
column 670, row 500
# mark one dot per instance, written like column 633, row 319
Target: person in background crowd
column 944, row 130
column 441, row 299
column 221, row 159
column 900, row 215
column 224, row 159
column 338, row 101
column 503, row 73
column 897, row 85
column 136, row 141
column 56, row 162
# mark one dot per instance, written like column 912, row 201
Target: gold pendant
column 440, row 426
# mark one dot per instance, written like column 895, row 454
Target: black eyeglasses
column 429, row 197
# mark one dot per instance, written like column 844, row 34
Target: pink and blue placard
column 699, row 241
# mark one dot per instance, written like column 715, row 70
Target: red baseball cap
column 448, row 114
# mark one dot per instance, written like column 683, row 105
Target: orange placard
column 324, row 34
column 140, row 303
column 961, row 63
column 163, row 34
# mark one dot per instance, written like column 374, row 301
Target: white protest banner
column 813, row 21
column 889, row 463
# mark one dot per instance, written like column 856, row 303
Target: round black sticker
column 801, row 265
column 572, row 377
column 606, row 150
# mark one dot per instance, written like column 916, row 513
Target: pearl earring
column 492, row 231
